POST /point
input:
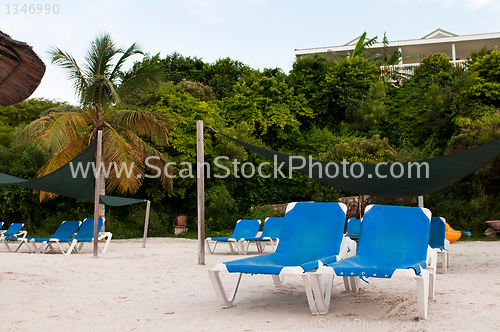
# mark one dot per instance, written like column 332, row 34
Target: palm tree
column 102, row 89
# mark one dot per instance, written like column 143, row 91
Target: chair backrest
column 395, row 234
column 66, row 230
column 312, row 231
column 86, row 230
column 353, row 227
column 1, row 224
column 437, row 234
column 13, row 229
column 246, row 228
column 272, row 227
column 181, row 220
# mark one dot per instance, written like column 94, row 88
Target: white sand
column 161, row 288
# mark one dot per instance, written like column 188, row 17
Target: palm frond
column 69, row 63
column 118, row 151
column 136, row 81
column 55, row 130
column 144, row 123
column 99, row 56
column 132, row 50
column 149, row 151
column 97, row 71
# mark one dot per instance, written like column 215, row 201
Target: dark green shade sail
column 118, row 201
column 435, row 173
column 62, row 181
column 71, row 180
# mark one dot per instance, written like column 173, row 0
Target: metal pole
column 146, row 223
column 200, row 159
column 96, row 194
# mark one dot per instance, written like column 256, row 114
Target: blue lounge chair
column 393, row 242
column 438, row 241
column 85, row 235
column 270, row 234
column 353, row 227
column 244, row 228
column 312, row 234
column 1, row 225
column 67, row 229
column 13, row 233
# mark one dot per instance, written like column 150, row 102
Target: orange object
column 451, row 234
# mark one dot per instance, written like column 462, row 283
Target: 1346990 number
column 15, row 9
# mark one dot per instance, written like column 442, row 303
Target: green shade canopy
column 66, row 181
column 118, row 201
column 442, row 171
column 62, row 181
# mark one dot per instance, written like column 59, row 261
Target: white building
column 457, row 48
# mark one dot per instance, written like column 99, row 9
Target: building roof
column 437, row 36
column 438, row 33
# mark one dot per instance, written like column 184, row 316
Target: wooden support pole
column 96, row 194
column 200, row 159
column 146, row 223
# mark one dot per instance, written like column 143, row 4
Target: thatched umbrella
column 21, row 70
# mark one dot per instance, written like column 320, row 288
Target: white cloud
column 59, row 32
column 478, row 3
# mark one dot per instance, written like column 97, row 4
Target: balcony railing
column 406, row 70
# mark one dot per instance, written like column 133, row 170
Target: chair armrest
column 104, row 235
column 21, row 234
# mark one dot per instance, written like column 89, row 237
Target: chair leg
column 446, row 259
column 310, row 295
column 6, row 245
column 219, row 289
column 261, row 246
column 278, row 280
column 322, row 289
column 207, row 242
column 432, row 282
column 22, row 241
column 347, row 283
column 432, row 269
column 107, row 236
column 354, row 284
column 240, row 246
column 35, row 248
column 273, row 245
column 244, row 247
column 52, row 249
column 351, row 284
column 71, row 247
column 422, row 293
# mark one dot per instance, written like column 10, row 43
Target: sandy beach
column 162, row 288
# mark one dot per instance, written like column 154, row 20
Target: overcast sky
column 260, row 33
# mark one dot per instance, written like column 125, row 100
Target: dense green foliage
column 331, row 110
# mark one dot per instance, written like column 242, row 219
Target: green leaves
column 266, row 103
column 488, row 66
